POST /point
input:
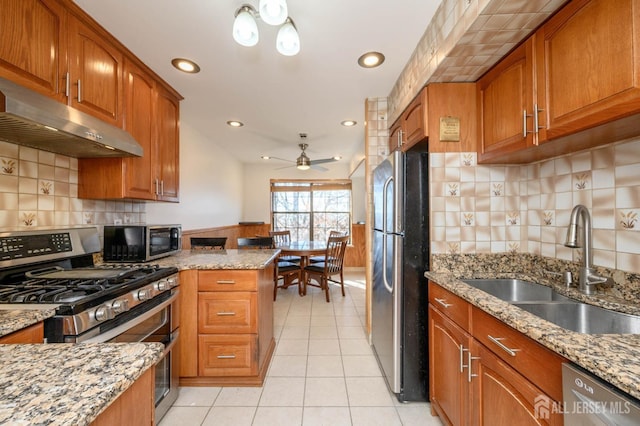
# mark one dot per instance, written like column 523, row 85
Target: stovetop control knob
column 144, row 294
column 173, row 282
column 120, row 305
column 104, row 313
column 163, row 285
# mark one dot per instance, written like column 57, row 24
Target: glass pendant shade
column 273, row 12
column 288, row 41
column 245, row 30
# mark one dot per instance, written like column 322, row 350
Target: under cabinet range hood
column 31, row 119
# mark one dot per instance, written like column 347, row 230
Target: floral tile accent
column 512, row 218
column 46, row 187
column 628, row 219
column 9, row 166
column 28, row 218
column 498, row 190
column 514, row 247
column 581, row 181
column 453, row 248
column 467, row 159
column 547, row 218
column 453, row 189
column 88, row 218
column 467, row 219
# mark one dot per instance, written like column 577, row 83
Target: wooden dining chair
column 206, row 243
column 283, row 238
column 316, row 259
column 323, row 272
column 255, row 243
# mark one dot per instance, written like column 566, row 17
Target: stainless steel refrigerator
column 401, row 256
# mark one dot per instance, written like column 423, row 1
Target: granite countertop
column 220, row 259
column 68, row 384
column 15, row 319
column 614, row 358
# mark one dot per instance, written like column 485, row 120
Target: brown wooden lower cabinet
column 135, row 407
column 31, row 334
column 483, row 372
column 227, row 316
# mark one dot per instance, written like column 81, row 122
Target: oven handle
column 172, row 342
column 105, row 337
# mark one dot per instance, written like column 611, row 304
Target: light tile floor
column 323, row 372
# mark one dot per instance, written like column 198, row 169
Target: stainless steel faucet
column 587, row 279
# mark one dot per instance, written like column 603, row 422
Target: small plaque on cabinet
column 449, row 129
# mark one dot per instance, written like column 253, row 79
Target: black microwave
column 140, row 243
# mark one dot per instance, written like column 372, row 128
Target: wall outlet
column 117, row 221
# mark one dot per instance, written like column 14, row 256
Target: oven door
column 158, row 324
column 163, row 241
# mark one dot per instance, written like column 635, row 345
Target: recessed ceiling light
column 371, row 59
column 185, row 65
column 265, row 157
column 337, row 157
column 349, row 123
column 234, row 123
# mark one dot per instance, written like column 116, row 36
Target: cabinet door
column 95, row 68
column 168, row 146
column 395, row 135
column 140, row 96
column 505, row 97
column 501, row 396
column 589, row 61
column 448, row 386
column 414, row 121
column 32, row 49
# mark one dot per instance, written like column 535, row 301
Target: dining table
column 305, row 249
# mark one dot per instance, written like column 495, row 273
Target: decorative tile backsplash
column 39, row 189
column 526, row 208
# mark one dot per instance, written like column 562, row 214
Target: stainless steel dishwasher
column 588, row 400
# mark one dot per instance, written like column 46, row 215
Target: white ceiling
column 277, row 97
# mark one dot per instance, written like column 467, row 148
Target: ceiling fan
column 303, row 162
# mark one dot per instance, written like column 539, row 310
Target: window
column 311, row 208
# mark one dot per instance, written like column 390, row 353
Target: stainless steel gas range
column 93, row 303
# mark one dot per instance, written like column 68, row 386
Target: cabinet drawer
column 227, row 280
column 450, row 305
column 227, row 355
column 227, row 312
column 540, row 365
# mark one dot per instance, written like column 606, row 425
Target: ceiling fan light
column 303, row 162
column 288, row 40
column 245, row 29
column 273, row 12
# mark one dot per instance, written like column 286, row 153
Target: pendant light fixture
column 272, row 12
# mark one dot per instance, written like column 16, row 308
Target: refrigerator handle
column 385, row 281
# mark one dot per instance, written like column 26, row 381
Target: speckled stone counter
column 68, row 384
column 614, row 358
column 220, row 259
column 15, row 319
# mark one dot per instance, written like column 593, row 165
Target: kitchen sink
column 514, row 290
column 584, row 318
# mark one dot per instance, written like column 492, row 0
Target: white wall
column 257, row 202
column 211, row 185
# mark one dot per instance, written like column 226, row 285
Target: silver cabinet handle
column 498, row 341
column 400, row 138
column 469, row 360
column 162, row 187
column 226, row 282
column 536, row 113
column 443, row 303
column 157, row 188
column 462, row 351
column 226, row 357
column 226, row 314
column 79, row 90
column 67, row 83
column 525, row 132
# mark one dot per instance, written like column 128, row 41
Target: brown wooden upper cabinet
column 152, row 118
column 412, row 126
column 578, row 72
column 53, row 52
